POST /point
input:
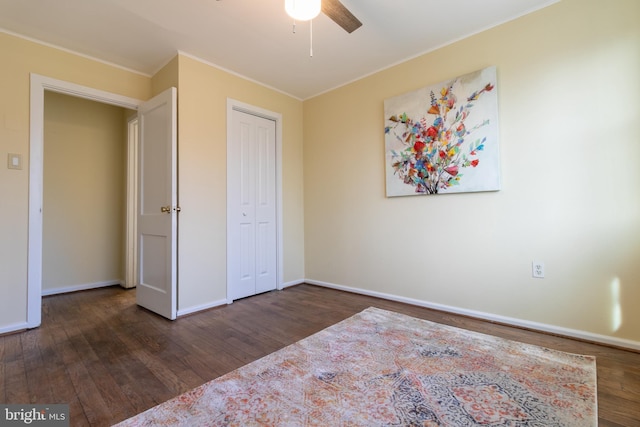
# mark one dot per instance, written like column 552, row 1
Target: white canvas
column 443, row 138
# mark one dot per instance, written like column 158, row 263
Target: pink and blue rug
column 380, row 368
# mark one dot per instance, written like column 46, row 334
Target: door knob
column 165, row 209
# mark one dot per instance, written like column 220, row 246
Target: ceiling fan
column 304, row 10
column 340, row 15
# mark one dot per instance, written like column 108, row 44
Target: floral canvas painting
column 444, row 138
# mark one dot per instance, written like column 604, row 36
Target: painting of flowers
column 444, row 138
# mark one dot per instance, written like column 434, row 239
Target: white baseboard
column 543, row 327
column 292, row 283
column 14, row 328
column 82, row 287
column 196, row 308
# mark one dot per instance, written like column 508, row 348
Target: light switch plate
column 14, row 161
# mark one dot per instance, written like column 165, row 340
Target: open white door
column 158, row 205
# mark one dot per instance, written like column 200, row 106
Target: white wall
column 569, row 107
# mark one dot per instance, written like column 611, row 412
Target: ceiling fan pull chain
column 294, row 26
column 311, row 38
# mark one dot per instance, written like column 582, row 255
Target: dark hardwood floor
column 109, row 359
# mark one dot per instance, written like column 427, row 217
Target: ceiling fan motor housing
column 302, row 10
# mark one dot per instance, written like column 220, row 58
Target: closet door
column 251, row 234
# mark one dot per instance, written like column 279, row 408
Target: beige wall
column 166, row 77
column 19, row 59
column 84, row 193
column 569, row 101
column 203, row 92
column 569, row 107
column 202, row 116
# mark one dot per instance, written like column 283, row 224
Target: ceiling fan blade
column 340, row 15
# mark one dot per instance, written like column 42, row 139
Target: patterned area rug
column 380, row 368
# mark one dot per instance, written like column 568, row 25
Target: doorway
column 84, row 194
column 36, row 151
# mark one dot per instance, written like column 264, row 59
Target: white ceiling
column 254, row 38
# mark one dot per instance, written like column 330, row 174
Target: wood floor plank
column 37, row 379
column 57, row 344
column 88, row 392
column 110, row 359
column 16, row 385
column 166, row 365
column 123, row 378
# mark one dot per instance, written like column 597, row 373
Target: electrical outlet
column 538, row 269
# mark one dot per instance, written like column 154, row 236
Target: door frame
column 236, row 105
column 131, row 235
column 39, row 84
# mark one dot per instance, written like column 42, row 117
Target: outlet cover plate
column 537, row 269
